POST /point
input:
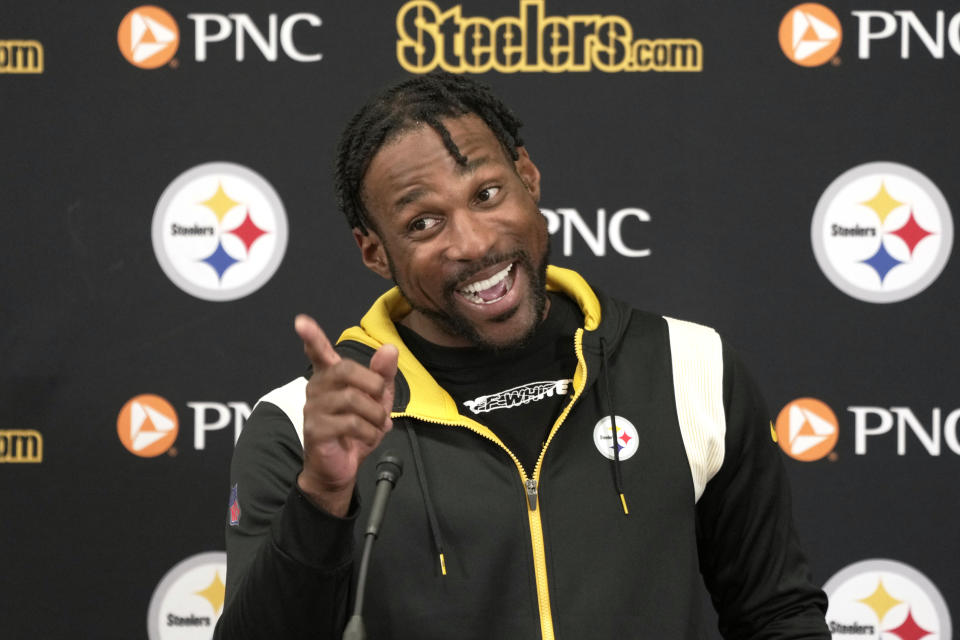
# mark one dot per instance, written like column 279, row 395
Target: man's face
column 467, row 245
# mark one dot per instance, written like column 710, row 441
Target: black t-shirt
column 517, row 393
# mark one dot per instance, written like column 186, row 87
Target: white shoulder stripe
column 697, row 356
column 290, row 399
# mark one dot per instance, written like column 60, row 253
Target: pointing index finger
column 315, row 342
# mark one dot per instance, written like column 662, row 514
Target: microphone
column 389, row 470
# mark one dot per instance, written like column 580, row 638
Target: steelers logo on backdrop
column 219, row 231
column 147, row 425
column 627, row 440
column 888, row 599
column 810, row 34
column 807, row 429
column 882, row 232
column 189, row 599
column 148, row 37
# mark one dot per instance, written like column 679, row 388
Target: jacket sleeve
column 750, row 556
column 289, row 563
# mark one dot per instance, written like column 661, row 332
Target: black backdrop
column 729, row 163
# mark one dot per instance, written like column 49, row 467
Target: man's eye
column 487, row 194
column 422, row 224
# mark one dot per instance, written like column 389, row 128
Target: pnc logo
column 807, row 429
column 933, row 32
column 810, row 34
column 618, row 231
column 885, row 598
column 882, row 232
column 147, row 425
column 148, row 37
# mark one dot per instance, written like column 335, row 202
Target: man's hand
column 346, row 414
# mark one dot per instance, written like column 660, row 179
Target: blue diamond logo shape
column 882, row 262
column 220, row 260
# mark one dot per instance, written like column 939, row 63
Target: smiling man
column 579, row 469
column 461, row 236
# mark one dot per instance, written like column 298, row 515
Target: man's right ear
column 528, row 173
column 372, row 252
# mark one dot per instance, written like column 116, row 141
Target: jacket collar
column 427, row 399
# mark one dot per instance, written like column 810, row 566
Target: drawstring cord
column 608, row 397
column 431, row 513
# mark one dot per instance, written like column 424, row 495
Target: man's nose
column 470, row 236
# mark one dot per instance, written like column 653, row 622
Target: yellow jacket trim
column 427, row 398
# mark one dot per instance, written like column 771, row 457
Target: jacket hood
column 603, row 318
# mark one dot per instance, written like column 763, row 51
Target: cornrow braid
column 418, row 101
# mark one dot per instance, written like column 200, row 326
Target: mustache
column 467, row 271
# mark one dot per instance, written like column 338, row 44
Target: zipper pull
column 531, row 485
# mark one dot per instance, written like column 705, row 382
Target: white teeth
column 483, row 285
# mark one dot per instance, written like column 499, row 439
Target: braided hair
column 408, row 105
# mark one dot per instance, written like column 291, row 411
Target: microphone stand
column 389, row 470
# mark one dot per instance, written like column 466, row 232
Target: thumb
column 384, row 362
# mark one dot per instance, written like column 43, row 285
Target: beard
column 456, row 324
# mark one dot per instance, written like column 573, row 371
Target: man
column 574, row 466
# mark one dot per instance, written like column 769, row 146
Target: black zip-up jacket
column 585, row 547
